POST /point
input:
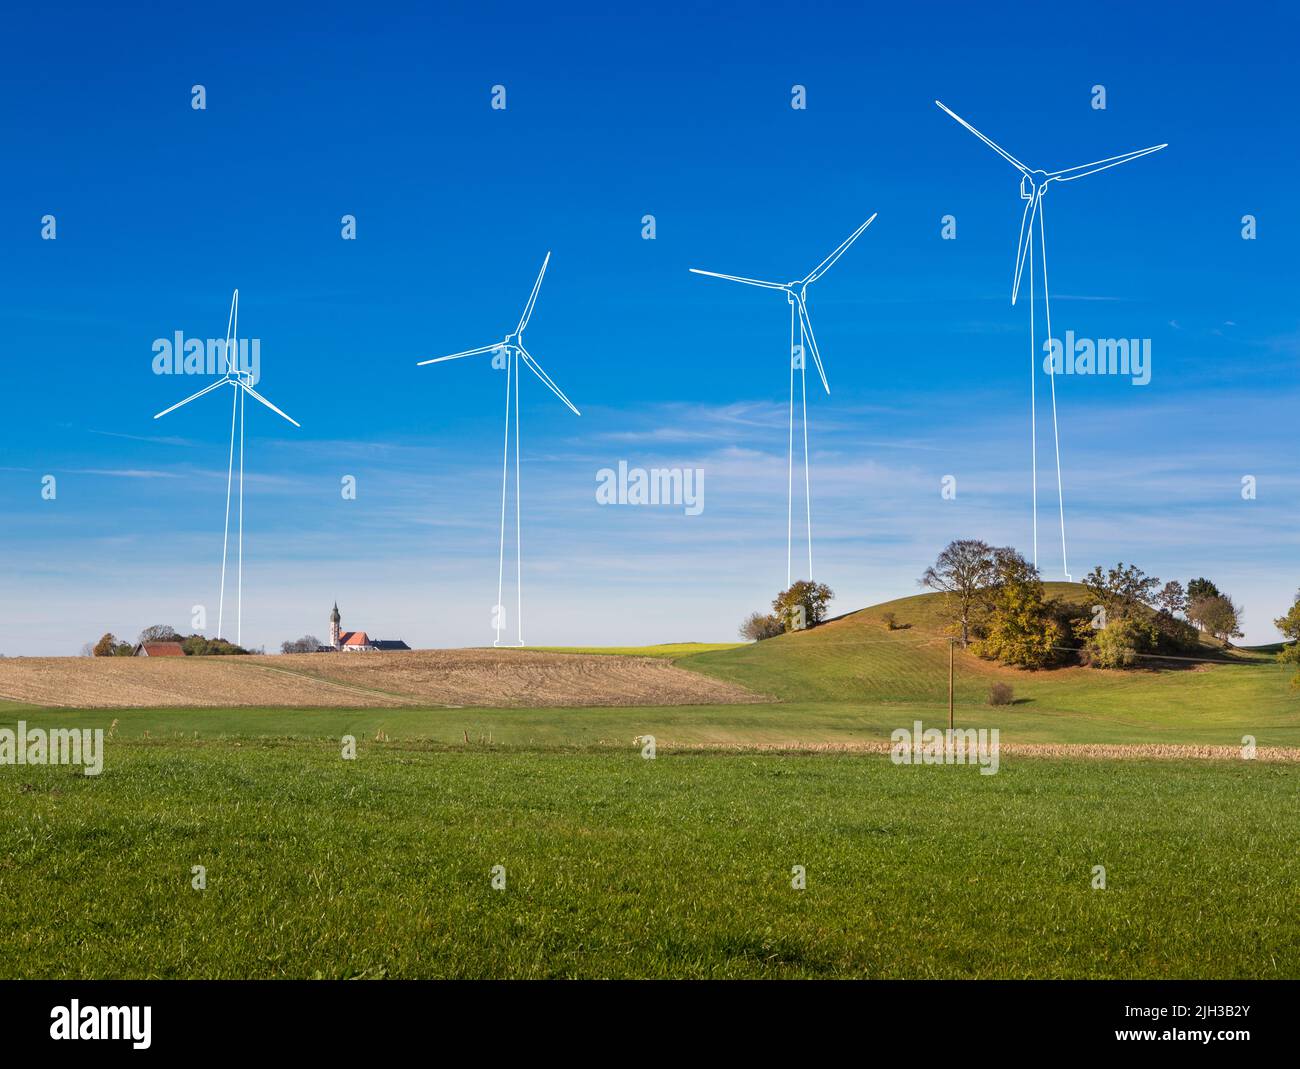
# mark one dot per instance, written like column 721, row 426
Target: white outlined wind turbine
column 796, row 294
column 1033, row 187
column 241, row 382
column 512, row 348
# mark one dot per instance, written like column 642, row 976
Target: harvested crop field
column 1070, row 751
column 472, row 677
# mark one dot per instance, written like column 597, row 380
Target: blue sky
column 383, row 112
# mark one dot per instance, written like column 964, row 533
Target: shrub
column 758, row 626
column 1118, row 644
column 1001, row 694
column 202, row 646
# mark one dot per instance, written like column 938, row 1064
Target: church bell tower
column 335, row 619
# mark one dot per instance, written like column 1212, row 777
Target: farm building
column 159, row 649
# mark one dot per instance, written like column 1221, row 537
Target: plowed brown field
column 472, row 677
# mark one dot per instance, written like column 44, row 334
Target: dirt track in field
column 1097, row 751
column 419, row 677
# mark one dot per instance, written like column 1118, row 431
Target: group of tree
column 997, row 605
column 1289, row 625
column 1212, row 611
column 306, row 644
column 802, row 605
column 109, row 645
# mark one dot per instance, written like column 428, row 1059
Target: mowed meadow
column 615, row 865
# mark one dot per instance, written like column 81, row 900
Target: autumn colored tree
column 1020, row 629
column 802, row 605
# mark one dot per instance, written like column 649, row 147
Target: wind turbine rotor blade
column 812, row 344
column 537, row 370
column 737, row 278
column 232, row 326
column 532, row 297
column 827, row 263
column 1085, row 169
column 991, row 144
column 258, row 397
column 206, row 389
column 1026, row 239
column 467, row 352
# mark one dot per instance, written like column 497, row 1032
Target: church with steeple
column 356, row 641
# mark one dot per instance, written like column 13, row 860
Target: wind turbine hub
column 1033, row 184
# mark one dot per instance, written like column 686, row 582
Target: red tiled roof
column 354, row 638
column 163, row 649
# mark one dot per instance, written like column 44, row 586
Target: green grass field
column 678, row 866
column 619, row 866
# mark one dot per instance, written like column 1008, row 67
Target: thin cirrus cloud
column 420, row 532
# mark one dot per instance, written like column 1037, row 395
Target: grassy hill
column 857, row 659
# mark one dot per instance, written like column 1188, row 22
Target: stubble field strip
column 424, row 678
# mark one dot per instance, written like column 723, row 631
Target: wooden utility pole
column 952, row 645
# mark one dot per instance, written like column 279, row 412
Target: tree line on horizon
column 109, row 645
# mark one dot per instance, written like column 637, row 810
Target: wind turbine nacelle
column 1033, row 183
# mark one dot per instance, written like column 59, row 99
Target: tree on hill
column 1176, row 634
column 962, row 573
column 1172, row 598
column 109, row 646
column 1119, row 625
column 159, row 633
column 306, row 644
column 1122, row 590
column 1199, row 591
column 802, row 605
column 1220, row 616
column 1289, row 625
column 1130, row 615
column 202, row 646
column 1021, row 628
column 761, row 625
